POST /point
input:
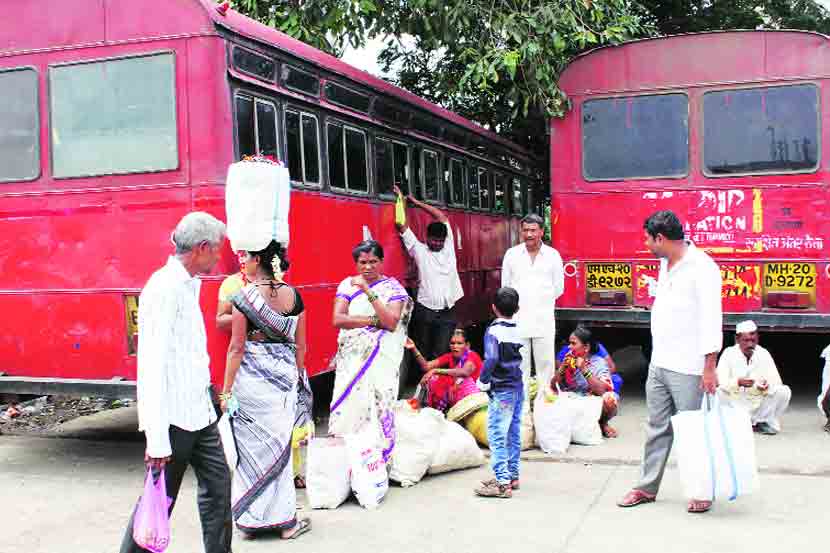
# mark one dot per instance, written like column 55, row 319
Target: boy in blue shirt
column 501, row 378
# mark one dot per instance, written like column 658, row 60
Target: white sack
column 553, row 421
column 369, row 476
column 587, row 410
column 257, row 201
column 715, row 451
column 417, row 434
column 327, row 473
column 457, row 450
column 228, row 441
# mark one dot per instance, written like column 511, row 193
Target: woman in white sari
column 372, row 312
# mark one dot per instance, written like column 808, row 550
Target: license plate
column 131, row 307
column 608, row 276
column 791, row 277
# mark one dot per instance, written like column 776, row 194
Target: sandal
column 608, row 431
column 303, row 525
column 636, row 497
column 299, row 482
column 699, row 506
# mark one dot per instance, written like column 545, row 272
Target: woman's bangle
column 371, row 296
column 587, row 374
column 374, row 320
column 418, row 354
column 225, row 396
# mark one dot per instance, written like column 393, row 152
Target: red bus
column 726, row 129
column 118, row 117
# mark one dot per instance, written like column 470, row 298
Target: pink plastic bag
column 151, row 525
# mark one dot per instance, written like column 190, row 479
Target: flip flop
column 303, row 526
column 699, row 506
column 636, row 497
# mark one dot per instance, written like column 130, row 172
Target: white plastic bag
column 553, row 418
column 457, row 450
column 715, row 451
column 257, row 201
column 228, row 441
column 369, row 475
column 417, row 434
column 587, row 411
column 327, row 473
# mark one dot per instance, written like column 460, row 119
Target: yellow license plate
column 608, row 276
column 131, row 307
column 793, row 277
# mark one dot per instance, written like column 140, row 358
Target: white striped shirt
column 173, row 363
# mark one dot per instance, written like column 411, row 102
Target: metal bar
column 78, row 387
column 805, row 322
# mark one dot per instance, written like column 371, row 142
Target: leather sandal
column 636, row 497
column 699, row 506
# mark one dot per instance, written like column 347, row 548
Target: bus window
column 517, row 197
column 301, row 81
column 384, row 166
column 472, row 186
column 266, row 125
column 761, row 130
column 635, row 137
column 19, row 126
column 256, row 127
column 455, row 181
column 311, row 149
column 302, row 147
column 356, row 160
column 114, row 116
column 245, row 125
column 348, row 98
column 483, row 189
column 293, row 146
column 254, row 64
column 432, row 174
column 417, row 187
column 337, row 163
column 499, row 199
column 401, row 152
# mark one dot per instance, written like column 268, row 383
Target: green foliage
column 689, row 16
column 498, row 62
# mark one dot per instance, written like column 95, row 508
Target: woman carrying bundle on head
column 265, row 365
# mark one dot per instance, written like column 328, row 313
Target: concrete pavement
column 73, row 495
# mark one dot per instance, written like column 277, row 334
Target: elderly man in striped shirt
column 175, row 404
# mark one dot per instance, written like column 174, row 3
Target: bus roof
column 698, row 59
column 89, row 23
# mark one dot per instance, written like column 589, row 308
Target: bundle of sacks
column 425, row 442
column 471, row 412
column 562, row 418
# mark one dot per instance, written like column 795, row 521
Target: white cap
column 745, row 327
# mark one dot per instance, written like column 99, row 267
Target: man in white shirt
column 748, row 378
column 686, row 335
column 439, row 288
column 535, row 271
column 175, row 405
column 824, row 396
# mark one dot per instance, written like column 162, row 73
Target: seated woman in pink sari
column 452, row 376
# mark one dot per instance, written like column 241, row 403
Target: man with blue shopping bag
column 686, row 323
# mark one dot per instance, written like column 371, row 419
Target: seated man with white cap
column 748, row 378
